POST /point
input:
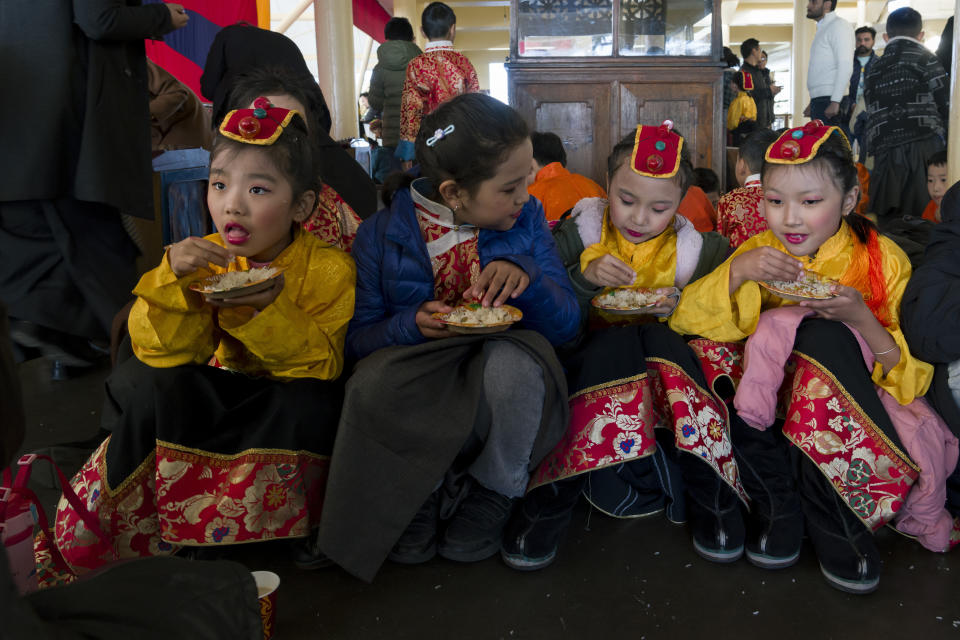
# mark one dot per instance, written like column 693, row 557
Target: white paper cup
column 267, row 584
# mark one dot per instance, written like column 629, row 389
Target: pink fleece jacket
column 926, row 437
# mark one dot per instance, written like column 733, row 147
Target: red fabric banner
column 370, row 17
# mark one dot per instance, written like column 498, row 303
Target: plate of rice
column 809, row 287
column 234, row 284
column 474, row 318
column 627, row 301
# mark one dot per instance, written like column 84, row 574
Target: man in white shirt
column 830, row 68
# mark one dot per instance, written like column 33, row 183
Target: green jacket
column 386, row 85
column 570, row 245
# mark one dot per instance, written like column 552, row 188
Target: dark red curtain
column 370, row 17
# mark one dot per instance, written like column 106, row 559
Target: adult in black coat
column 945, row 48
column 75, row 154
column 241, row 48
column 930, row 309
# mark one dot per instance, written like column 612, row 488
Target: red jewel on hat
column 812, row 126
column 249, row 127
column 790, row 149
column 654, row 163
column 262, row 103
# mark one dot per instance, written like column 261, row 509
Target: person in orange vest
column 553, row 185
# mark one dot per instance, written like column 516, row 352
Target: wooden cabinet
column 592, row 101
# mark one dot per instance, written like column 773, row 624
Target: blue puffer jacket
column 394, row 277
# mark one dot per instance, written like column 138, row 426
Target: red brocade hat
column 800, row 144
column 746, row 81
column 656, row 151
column 261, row 125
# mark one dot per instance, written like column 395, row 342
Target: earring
column 456, row 206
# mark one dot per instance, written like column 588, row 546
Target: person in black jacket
column 762, row 94
column 853, row 108
column 945, row 48
column 930, row 310
column 75, row 154
column 930, row 318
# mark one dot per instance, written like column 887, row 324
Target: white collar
column 438, row 213
column 438, row 44
column 753, row 177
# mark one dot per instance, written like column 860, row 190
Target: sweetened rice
column 236, row 279
column 479, row 316
column 628, row 298
column 809, row 286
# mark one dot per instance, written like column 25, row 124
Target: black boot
column 533, row 534
column 775, row 522
column 418, row 543
column 476, row 530
column 713, row 512
column 847, row 551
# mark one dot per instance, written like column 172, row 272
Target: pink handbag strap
column 20, row 487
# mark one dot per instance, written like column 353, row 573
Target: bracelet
column 890, row 350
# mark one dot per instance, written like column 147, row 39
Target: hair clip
column 439, row 134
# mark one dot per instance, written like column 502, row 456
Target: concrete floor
column 637, row 579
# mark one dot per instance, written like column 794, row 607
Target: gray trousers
column 509, row 418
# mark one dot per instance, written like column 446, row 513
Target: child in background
column 435, row 76
column 709, row 183
column 696, row 208
column 438, row 426
column 936, row 185
column 202, row 455
column 740, row 212
column 742, row 115
column 333, row 220
column 555, row 187
column 631, row 373
column 854, row 460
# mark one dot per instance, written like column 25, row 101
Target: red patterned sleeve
column 473, row 83
column 723, row 217
column 411, row 104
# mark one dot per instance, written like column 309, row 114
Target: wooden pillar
column 953, row 143
column 335, row 64
column 411, row 10
column 803, row 31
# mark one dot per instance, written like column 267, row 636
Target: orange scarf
column 865, row 274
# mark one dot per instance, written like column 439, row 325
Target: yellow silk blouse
column 299, row 335
column 654, row 260
column 707, row 309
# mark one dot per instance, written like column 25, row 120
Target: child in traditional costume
column 630, row 374
column 333, row 220
column 435, row 425
column 203, row 456
column 433, row 77
column 867, row 450
column 740, row 212
column 742, row 115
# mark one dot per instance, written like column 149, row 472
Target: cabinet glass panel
column 665, row 27
column 565, row 28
